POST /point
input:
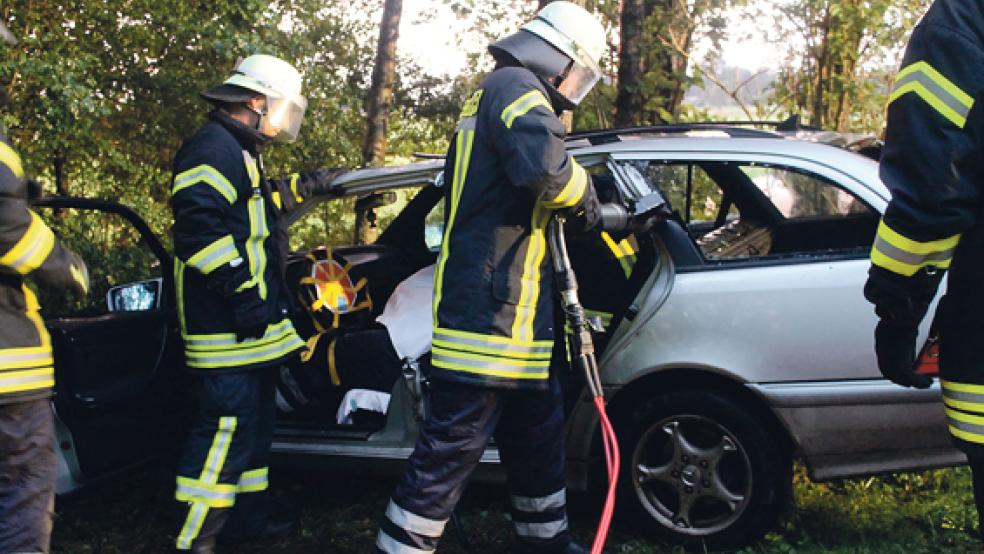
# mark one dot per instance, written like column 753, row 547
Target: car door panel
column 119, row 374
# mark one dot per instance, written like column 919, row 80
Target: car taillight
column 928, row 362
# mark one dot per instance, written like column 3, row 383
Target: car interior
column 743, row 212
column 410, row 242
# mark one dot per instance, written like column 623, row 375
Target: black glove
column 322, row 179
column 895, row 346
column 250, row 315
column 901, row 303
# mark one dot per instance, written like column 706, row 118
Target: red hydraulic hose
column 612, row 463
column 582, row 350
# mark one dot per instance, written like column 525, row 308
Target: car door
column 782, row 254
column 119, row 371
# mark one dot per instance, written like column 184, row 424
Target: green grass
column 926, row 512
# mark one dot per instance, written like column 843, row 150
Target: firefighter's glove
column 250, row 315
column 895, row 346
column 901, row 302
column 323, row 178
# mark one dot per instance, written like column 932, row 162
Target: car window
column 746, row 211
column 797, row 194
column 113, row 251
column 690, row 191
column 332, row 223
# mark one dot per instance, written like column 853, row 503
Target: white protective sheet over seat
column 361, row 399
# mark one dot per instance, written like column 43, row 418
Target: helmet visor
column 283, row 118
column 579, row 81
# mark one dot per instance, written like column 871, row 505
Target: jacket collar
column 249, row 138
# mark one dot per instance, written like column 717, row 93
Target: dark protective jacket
column 507, row 170
column 933, row 164
column 28, row 249
column 231, row 249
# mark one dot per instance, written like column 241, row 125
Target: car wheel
column 700, row 470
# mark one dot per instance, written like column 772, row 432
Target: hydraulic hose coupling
column 614, row 217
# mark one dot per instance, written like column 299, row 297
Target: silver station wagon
column 737, row 341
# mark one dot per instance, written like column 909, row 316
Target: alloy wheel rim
column 692, row 475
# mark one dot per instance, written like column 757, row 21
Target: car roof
column 860, row 168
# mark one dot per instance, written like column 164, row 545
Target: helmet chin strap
column 259, row 116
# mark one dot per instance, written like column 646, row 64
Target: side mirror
column 434, row 235
column 135, row 297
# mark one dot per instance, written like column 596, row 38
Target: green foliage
column 102, row 94
column 840, row 67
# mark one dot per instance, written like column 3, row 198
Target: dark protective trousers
column 528, row 427
column 28, row 467
column 226, row 454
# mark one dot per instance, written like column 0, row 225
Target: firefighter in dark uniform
column 507, row 171
column 933, row 164
column 28, row 463
column 233, row 304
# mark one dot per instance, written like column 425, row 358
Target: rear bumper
column 865, row 427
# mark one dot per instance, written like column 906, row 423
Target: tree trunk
column 632, row 64
column 380, row 98
column 656, row 37
column 379, row 102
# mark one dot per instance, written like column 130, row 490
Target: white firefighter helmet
column 274, row 78
column 578, row 40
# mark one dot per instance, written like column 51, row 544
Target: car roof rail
column 734, row 129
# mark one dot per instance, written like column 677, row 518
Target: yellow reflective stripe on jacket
column 470, row 339
column 462, row 151
column 205, row 174
column 491, row 365
column 28, row 368
column 258, row 233
column 32, row 249
column 31, row 357
column 573, row 191
column 529, row 283
column 524, row 104
column 254, row 480
column 295, row 180
column 965, row 426
column 10, row 158
column 179, row 268
column 963, row 396
column 936, row 90
column 25, row 380
column 623, row 251
column 223, row 350
column 906, row 256
column 220, row 252
column 226, row 341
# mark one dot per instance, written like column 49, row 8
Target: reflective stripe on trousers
column 404, row 532
column 218, row 496
column 540, row 517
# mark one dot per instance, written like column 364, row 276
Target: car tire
column 700, row 470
